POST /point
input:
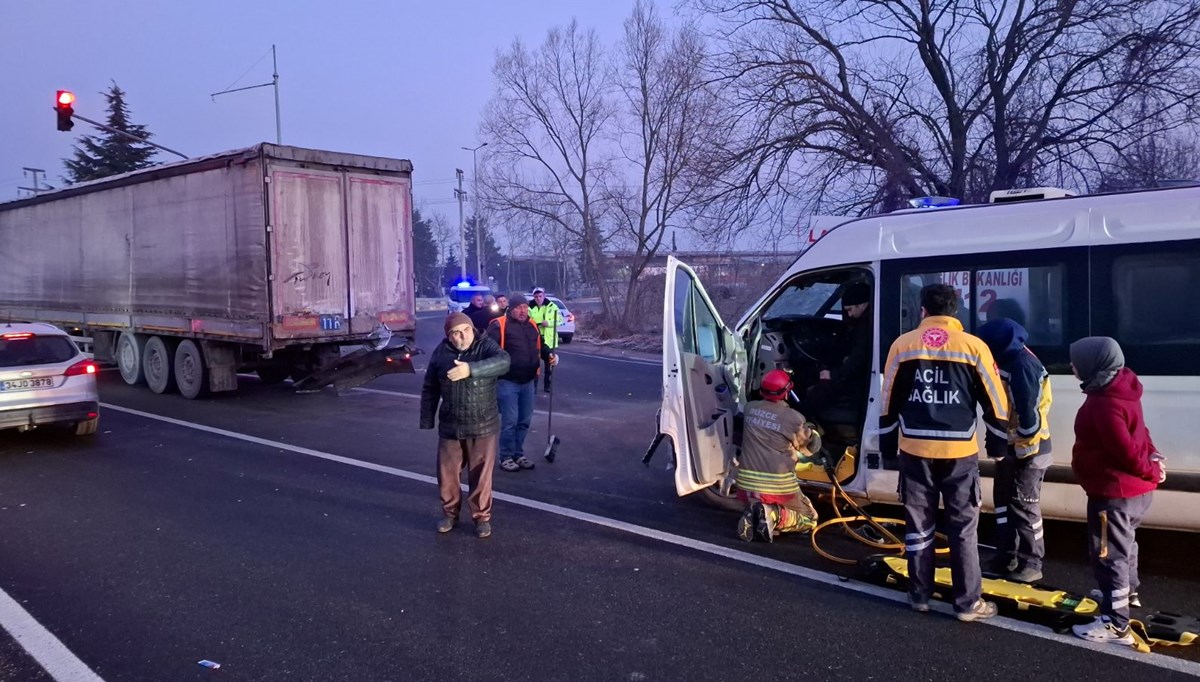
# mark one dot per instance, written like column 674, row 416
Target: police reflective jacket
column 934, row 378
column 547, row 318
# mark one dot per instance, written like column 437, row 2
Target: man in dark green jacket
column 462, row 376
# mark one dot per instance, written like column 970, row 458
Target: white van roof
column 1126, row 217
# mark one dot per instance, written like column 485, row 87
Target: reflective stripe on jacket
column 934, row 378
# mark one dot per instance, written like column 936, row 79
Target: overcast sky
column 397, row 78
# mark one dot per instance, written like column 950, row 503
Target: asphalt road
column 290, row 537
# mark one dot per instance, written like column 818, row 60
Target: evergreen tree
column 99, row 156
column 425, row 257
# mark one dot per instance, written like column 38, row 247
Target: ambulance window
column 910, row 296
column 1032, row 297
column 696, row 324
column 1150, row 291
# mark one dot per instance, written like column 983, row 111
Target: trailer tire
column 86, row 427
column 130, row 349
column 191, row 371
column 158, row 364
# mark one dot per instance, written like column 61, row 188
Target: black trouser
column 956, row 482
column 1017, row 493
column 1112, row 544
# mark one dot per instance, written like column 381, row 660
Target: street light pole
column 475, row 199
column 273, row 84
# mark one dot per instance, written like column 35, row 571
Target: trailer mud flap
column 358, row 368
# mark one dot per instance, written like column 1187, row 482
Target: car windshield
column 801, row 299
column 35, row 350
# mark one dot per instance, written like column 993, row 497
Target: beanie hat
column 516, row 300
column 455, row 319
column 857, row 293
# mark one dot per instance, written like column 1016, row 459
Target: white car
column 45, row 379
column 459, row 296
column 566, row 325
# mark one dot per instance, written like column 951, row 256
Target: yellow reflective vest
column 935, row 377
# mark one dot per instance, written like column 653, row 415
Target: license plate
column 331, row 323
column 26, row 384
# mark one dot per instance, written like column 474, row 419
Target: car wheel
column 130, row 349
column 713, row 497
column 158, row 363
column 191, row 372
column 566, row 338
column 87, row 427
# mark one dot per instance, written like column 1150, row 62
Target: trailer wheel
column 130, row 349
column 87, row 427
column 158, row 364
column 191, row 372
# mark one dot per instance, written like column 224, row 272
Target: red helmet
column 775, row 385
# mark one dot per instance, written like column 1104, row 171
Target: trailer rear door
column 381, row 267
column 310, row 290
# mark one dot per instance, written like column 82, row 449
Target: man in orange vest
column 520, row 338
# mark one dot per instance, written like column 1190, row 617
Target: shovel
column 553, row 441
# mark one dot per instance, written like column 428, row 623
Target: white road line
column 55, row 658
column 829, row 579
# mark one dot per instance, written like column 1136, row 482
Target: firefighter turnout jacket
column 771, row 432
column 934, row 378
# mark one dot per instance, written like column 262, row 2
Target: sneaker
column 1025, row 575
column 483, row 529
column 510, row 465
column 446, row 524
column 524, row 463
column 763, row 523
column 745, row 526
column 918, row 606
column 1103, row 632
column 1134, row 600
column 981, row 610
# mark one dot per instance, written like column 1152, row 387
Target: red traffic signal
column 62, row 105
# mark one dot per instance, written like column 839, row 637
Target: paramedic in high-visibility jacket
column 935, row 379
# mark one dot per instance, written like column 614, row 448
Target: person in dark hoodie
column 1117, row 465
column 1022, row 454
column 460, row 388
column 520, row 337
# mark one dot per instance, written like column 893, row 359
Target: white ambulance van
column 1124, row 265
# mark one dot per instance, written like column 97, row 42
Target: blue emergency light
column 933, row 202
column 463, row 284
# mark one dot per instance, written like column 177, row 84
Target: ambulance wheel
column 713, row 497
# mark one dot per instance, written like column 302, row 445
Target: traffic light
column 62, row 104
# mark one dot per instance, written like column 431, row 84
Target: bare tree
column 668, row 131
column 862, row 104
column 546, row 124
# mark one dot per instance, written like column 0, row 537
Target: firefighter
column 774, row 438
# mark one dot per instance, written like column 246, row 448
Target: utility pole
column 273, row 84
column 37, row 186
column 475, row 202
column 462, row 225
